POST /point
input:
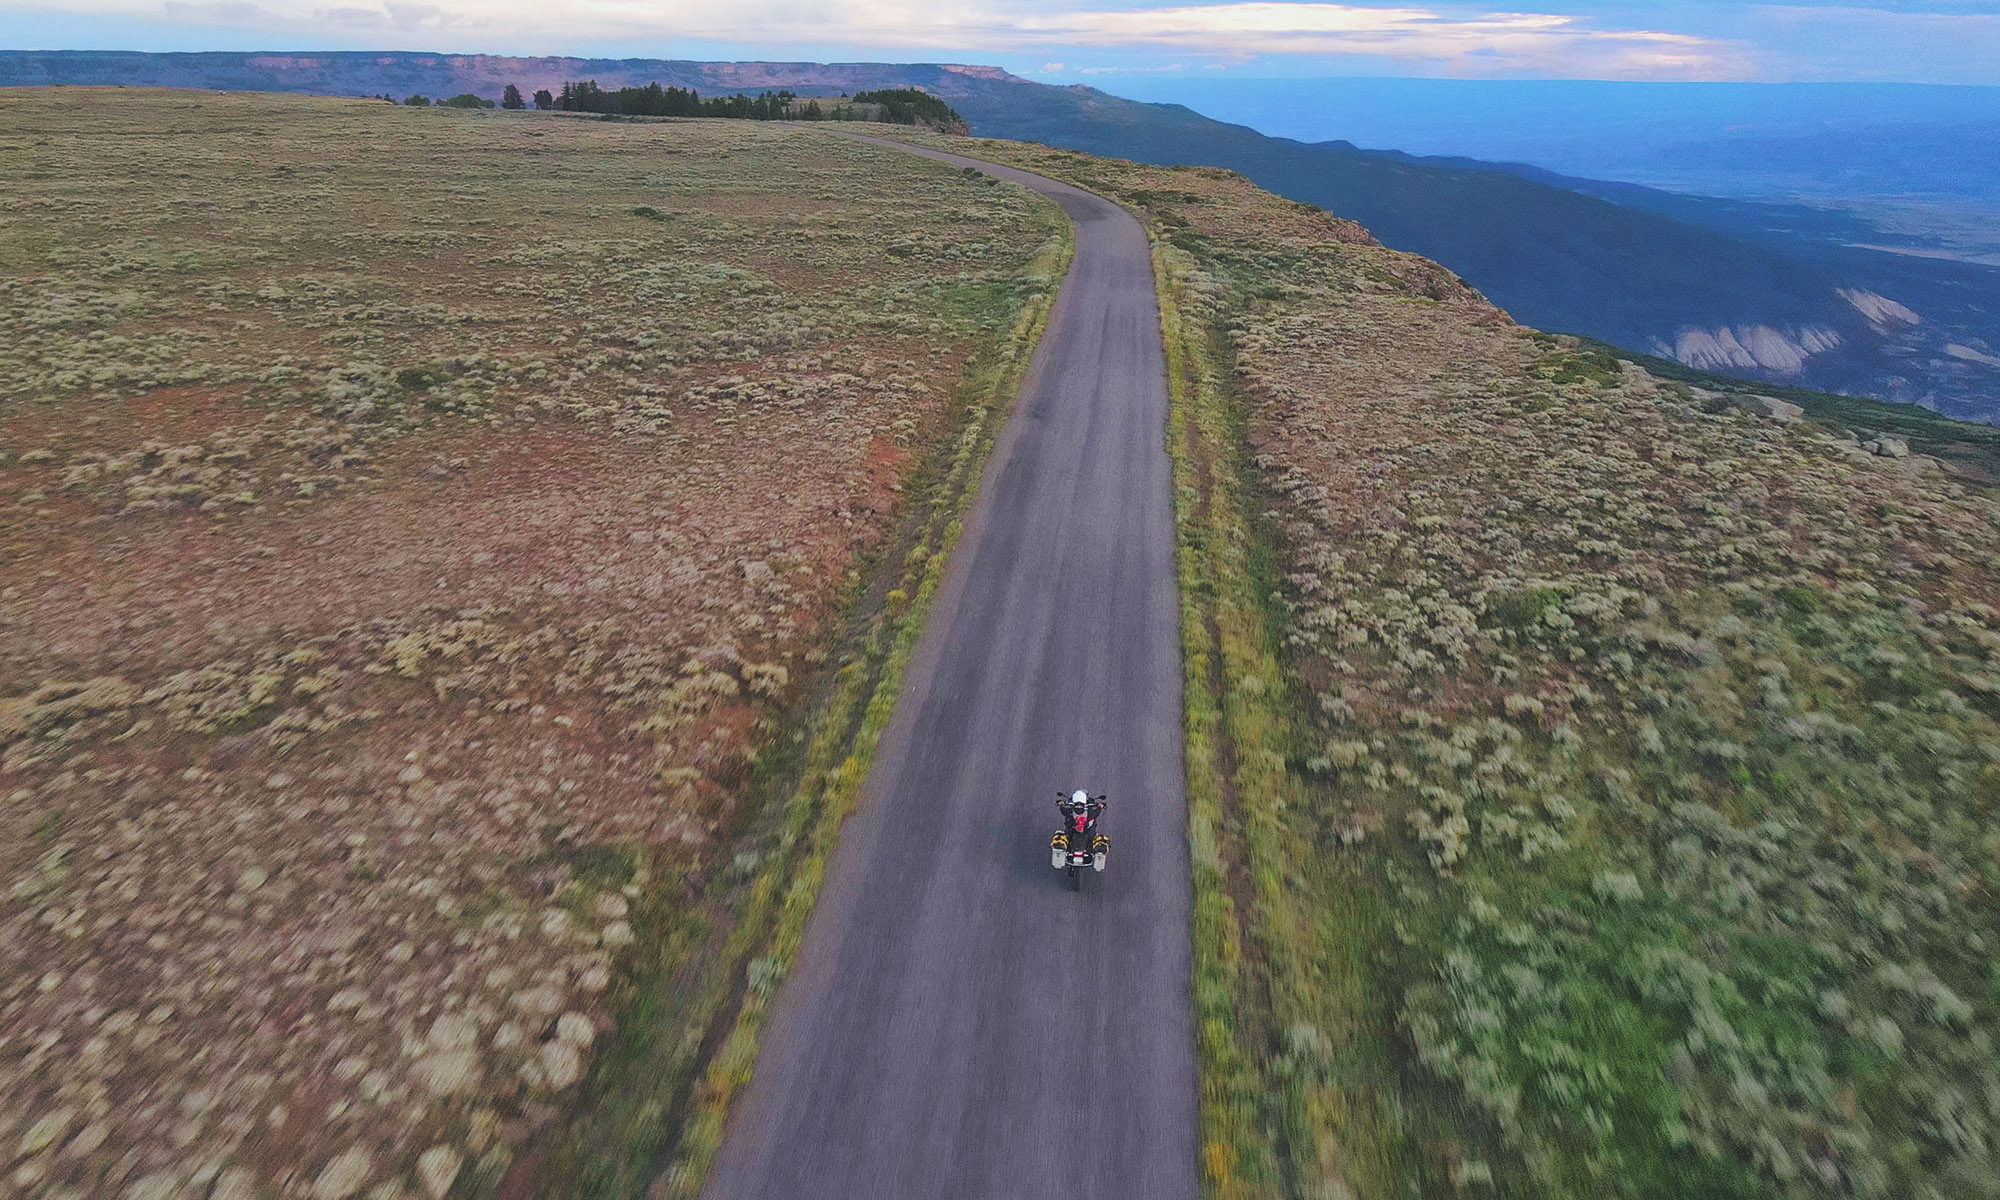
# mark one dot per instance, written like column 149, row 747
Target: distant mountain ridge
column 398, row 72
column 1560, row 254
column 1670, row 275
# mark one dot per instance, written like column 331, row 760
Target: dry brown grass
column 410, row 524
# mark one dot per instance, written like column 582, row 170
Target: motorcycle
column 1078, row 844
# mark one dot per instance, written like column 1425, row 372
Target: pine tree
column 543, row 100
column 511, row 98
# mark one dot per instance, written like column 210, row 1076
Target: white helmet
column 1079, row 796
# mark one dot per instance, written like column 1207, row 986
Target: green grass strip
column 1279, row 1002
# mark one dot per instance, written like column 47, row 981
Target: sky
column 1097, row 41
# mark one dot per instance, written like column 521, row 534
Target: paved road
column 958, row 1021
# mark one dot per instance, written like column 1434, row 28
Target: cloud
column 1149, row 69
column 1841, row 41
column 419, row 16
column 352, row 18
column 1259, row 27
column 1237, row 30
column 1423, row 38
column 1913, row 40
column 227, row 12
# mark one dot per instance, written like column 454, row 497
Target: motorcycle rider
column 1080, row 812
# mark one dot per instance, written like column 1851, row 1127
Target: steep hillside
column 1593, row 778
column 425, row 536
column 1733, row 296
column 1753, row 300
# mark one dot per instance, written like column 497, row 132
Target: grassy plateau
column 447, row 561
column 454, row 566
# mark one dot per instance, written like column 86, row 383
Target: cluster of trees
column 902, row 106
column 895, row 106
column 911, row 106
column 462, row 100
column 656, row 101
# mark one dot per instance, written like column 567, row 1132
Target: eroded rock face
column 1752, row 347
column 1885, row 314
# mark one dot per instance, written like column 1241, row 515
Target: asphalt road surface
column 959, row 1023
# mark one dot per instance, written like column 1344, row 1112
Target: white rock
column 453, row 1030
column 89, row 1138
column 1783, row 412
column 437, row 1167
column 157, row 1186
column 561, row 1064
column 618, row 933
column 343, row 1176
column 446, row 1071
column 45, row 1131
column 611, row 907
column 576, row 1029
column 236, row 1183
column 251, row 879
column 594, row 979
column 540, row 1000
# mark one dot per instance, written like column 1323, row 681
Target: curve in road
column 958, row 1022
